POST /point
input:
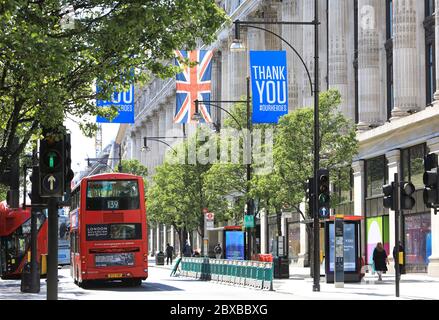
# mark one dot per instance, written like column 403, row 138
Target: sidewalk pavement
column 413, row 286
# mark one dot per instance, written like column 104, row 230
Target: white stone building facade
column 380, row 54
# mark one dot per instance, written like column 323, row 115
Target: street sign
column 209, row 216
column 249, row 221
column 209, row 225
column 323, row 212
column 268, row 71
column 51, row 185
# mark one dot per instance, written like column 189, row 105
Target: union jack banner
column 192, row 84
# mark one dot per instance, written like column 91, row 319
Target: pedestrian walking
column 218, row 251
column 169, row 253
column 380, row 260
column 401, row 261
column 187, row 250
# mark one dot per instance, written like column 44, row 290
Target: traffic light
column 68, row 172
column 323, row 193
column 34, row 195
column 431, row 181
column 52, row 167
column 407, row 202
column 389, row 200
column 310, row 194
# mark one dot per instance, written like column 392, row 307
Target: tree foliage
column 48, row 70
column 293, row 150
column 176, row 196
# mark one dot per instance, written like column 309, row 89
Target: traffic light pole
column 316, row 233
column 397, row 219
column 52, row 259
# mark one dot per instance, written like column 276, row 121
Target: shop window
column 376, row 176
column 412, row 164
column 293, row 240
column 417, row 230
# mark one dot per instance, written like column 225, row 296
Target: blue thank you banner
column 268, row 71
column 124, row 101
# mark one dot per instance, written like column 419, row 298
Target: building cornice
column 399, row 134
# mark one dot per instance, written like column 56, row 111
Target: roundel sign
column 209, row 216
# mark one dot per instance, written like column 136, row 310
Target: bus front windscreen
column 112, row 195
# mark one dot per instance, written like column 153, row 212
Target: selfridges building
column 380, row 55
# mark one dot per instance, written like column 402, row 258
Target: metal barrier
column 255, row 274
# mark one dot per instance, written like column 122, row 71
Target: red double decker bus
column 15, row 231
column 108, row 230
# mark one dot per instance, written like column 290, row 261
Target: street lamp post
column 161, row 140
column 237, row 45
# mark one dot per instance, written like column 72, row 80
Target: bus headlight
column 145, row 270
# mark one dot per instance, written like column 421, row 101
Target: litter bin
column 28, row 284
column 160, row 258
column 281, row 267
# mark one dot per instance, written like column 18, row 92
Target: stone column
column 359, row 191
column 148, row 133
column 154, row 145
column 303, row 255
column 264, row 231
column 436, row 94
column 138, row 134
column 162, row 133
column 368, row 64
column 406, row 67
column 157, row 245
column 394, row 164
column 142, row 134
column 272, row 14
column 225, row 76
column 165, row 238
column 133, row 145
column 308, row 53
column 359, row 197
column 172, row 240
column 433, row 265
column 293, row 34
column 338, row 59
column 216, row 85
column 238, row 70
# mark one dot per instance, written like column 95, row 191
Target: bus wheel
column 83, row 284
column 136, row 282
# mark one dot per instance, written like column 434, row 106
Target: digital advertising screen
column 235, row 245
column 349, row 247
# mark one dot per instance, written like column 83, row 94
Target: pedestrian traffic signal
column 389, row 200
column 52, row 168
column 407, row 202
column 431, row 181
column 323, row 193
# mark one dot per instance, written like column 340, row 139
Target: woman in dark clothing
column 380, row 260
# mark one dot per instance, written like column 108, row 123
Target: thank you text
column 268, row 71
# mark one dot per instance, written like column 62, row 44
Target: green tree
column 48, row 67
column 176, row 196
column 293, row 150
